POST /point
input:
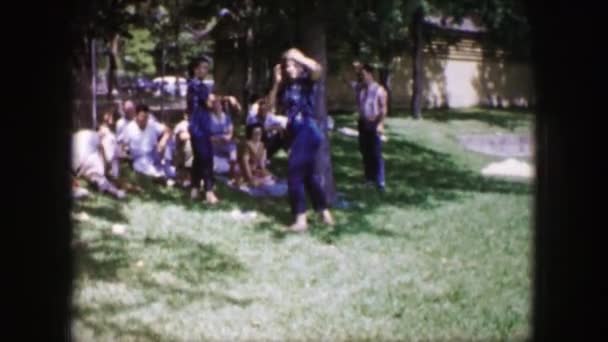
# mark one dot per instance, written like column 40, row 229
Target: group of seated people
column 131, row 134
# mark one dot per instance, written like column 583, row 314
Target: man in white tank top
column 372, row 106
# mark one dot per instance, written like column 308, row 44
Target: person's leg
column 102, row 183
column 207, row 173
column 167, row 160
column 364, row 149
column 115, row 168
column 378, row 162
column 317, row 194
column 296, row 193
column 196, row 174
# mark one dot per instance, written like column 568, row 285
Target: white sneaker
column 170, row 183
column 194, row 194
column 186, row 184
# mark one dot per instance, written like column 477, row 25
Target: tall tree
column 100, row 20
column 312, row 35
column 417, row 60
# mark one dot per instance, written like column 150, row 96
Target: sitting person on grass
column 261, row 112
column 222, row 134
column 92, row 153
column 252, row 160
column 147, row 140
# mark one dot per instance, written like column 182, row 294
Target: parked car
column 171, row 85
column 143, row 85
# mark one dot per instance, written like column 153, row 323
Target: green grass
column 445, row 254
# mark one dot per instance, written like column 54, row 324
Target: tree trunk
column 417, row 63
column 230, row 68
column 178, row 56
column 313, row 41
column 81, row 88
column 112, row 58
column 250, row 79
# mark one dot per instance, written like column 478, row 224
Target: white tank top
column 368, row 100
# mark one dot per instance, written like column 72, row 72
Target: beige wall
column 459, row 77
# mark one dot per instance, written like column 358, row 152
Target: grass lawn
column 444, row 254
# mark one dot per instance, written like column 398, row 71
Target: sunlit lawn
column 444, row 254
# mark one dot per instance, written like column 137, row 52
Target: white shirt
column 180, row 128
column 368, row 100
column 123, row 122
column 270, row 121
column 142, row 142
column 120, row 125
column 84, row 144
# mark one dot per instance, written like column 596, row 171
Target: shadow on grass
column 417, row 177
column 104, row 326
column 105, row 208
column 194, row 262
column 193, row 267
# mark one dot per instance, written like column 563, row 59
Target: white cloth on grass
column 510, row 168
column 276, row 188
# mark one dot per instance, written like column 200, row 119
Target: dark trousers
column 302, row 176
column 202, row 163
column 370, row 147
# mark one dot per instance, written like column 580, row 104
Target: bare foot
column 327, row 218
column 211, row 198
column 300, row 225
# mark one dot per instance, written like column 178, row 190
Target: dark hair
column 104, row 111
column 253, row 98
column 250, row 128
column 195, row 63
column 367, row 67
column 142, row 107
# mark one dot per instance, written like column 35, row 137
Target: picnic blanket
column 274, row 188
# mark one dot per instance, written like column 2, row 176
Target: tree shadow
column 106, row 209
column 104, row 257
column 193, row 266
column 503, row 81
column 416, row 177
column 101, row 259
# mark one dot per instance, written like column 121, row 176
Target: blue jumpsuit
column 304, row 140
column 200, row 135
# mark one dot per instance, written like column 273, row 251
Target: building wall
column 454, row 76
